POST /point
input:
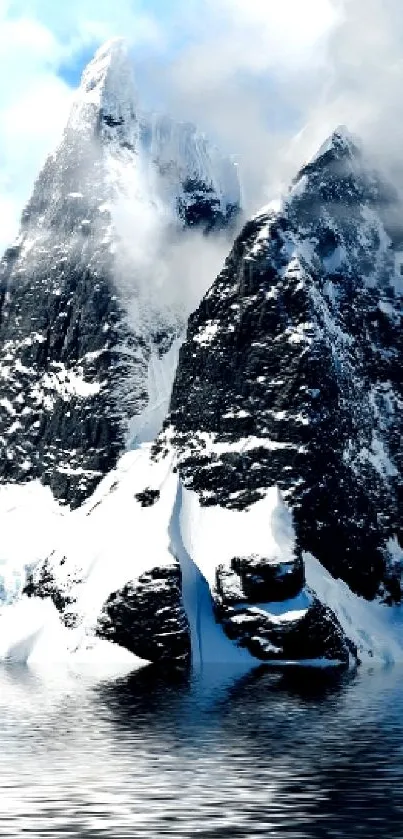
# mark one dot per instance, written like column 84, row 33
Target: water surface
column 210, row 755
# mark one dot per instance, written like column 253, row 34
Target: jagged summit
column 107, row 96
column 339, row 159
column 341, row 143
column 111, row 62
column 341, row 179
column 340, row 156
column 111, row 147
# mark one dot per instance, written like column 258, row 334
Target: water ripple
column 214, row 756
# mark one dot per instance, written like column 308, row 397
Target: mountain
column 93, row 295
column 290, row 376
column 264, row 523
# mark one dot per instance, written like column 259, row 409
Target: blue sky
column 71, row 69
column 266, row 79
column 166, row 15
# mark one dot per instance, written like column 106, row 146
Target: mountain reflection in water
column 214, row 754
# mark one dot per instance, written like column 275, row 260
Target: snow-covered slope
column 113, row 570
column 137, row 563
column 95, row 291
column 143, row 565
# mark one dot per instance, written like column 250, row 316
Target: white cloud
column 244, row 71
column 252, row 73
column 270, row 80
column 270, row 34
column 33, row 107
column 360, row 85
column 83, row 20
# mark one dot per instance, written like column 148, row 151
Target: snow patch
column 284, row 611
column 378, row 458
column 83, row 546
column 214, row 535
column 33, row 634
column 209, row 643
column 32, row 523
column 375, row 628
column 207, row 334
column 145, row 427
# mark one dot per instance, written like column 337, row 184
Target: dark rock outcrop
column 147, row 617
column 41, row 582
column 263, row 580
column 293, row 626
column 314, row 636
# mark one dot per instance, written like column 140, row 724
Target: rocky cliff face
column 83, row 305
column 291, row 372
column 280, row 459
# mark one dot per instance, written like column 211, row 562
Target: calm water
column 255, row 756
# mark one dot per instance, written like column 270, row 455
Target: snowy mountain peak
column 107, row 96
column 340, row 144
column 108, row 71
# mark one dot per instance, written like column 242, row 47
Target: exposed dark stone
column 58, row 324
column 147, row 617
column 242, row 589
column 315, row 635
column 41, row 583
column 111, row 121
column 264, row 580
column 148, row 497
column 200, row 207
